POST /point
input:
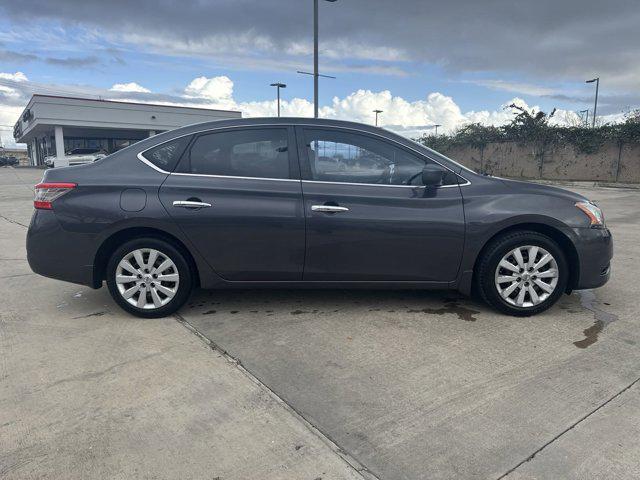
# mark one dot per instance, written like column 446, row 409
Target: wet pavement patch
column 602, row 319
column 95, row 314
column 412, row 300
column 451, row 306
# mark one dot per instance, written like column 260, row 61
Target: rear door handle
column 328, row 208
column 190, row 204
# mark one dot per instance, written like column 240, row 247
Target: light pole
column 377, row 112
column 278, row 87
column 315, row 57
column 586, row 116
column 595, row 105
column 437, row 125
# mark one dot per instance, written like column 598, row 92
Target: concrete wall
column 611, row 163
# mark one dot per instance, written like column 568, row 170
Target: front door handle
column 328, row 208
column 190, row 204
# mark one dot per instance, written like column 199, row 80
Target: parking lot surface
column 317, row 384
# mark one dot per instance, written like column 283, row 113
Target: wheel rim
column 527, row 276
column 147, row 278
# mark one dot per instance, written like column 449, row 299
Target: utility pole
column 315, row 57
column 595, row 105
column 377, row 112
column 278, row 87
column 437, row 125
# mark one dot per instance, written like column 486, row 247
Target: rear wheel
column 522, row 273
column 149, row 277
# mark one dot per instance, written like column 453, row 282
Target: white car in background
column 78, row 156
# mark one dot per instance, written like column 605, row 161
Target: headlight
column 592, row 211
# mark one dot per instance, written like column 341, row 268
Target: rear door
column 236, row 194
column 369, row 218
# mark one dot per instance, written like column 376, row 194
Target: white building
column 52, row 125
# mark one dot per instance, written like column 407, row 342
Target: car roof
column 277, row 121
column 272, row 121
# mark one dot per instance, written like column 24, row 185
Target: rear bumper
column 595, row 251
column 56, row 253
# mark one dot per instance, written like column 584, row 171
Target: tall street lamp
column 315, row 56
column 595, row 106
column 278, row 87
column 437, row 125
column 377, row 112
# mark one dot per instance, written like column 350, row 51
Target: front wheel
column 522, row 273
column 149, row 277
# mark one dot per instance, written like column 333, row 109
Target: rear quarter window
column 250, row 152
column 166, row 155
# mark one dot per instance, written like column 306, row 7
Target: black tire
column 184, row 286
column 494, row 253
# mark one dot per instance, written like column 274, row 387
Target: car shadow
column 330, row 301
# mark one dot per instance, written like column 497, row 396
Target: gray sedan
column 308, row 203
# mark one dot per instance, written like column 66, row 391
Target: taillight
column 46, row 193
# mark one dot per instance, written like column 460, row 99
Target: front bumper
column 56, row 253
column 595, row 251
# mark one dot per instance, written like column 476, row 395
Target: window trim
column 233, row 177
column 295, row 127
column 145, row 160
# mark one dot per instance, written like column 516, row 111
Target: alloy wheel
column 147, row 278
column 526, row 276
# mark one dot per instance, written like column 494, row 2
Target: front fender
column 489, row 215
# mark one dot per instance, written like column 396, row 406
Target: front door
column 236, row 194
column 369, row 218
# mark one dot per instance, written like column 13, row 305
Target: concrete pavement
column 89, row 392
column 331, row 384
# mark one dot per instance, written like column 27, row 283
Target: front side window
column 261, row 153
column 166, row 155
column 339, row 156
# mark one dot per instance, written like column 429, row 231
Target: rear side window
column 262, row 153
column 166, row 155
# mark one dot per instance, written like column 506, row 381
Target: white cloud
column 248, row 50
column 8, row 88
column 341, row 49
column 129, row 87
column 398, row 114
column 16, row 77
column 215, row 89
column 297, row 107
column 238, row 43
column 8, row 117
column 567, row 118
column 409, row 118
column 9, row 113
column 516, row 87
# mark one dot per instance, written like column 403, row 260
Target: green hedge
column 535, row 128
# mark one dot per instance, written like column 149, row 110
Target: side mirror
column 432, row 175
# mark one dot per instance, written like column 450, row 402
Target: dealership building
column 51, row 125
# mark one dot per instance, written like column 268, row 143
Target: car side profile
column 294, row 202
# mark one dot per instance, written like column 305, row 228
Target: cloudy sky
column 422, row 62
